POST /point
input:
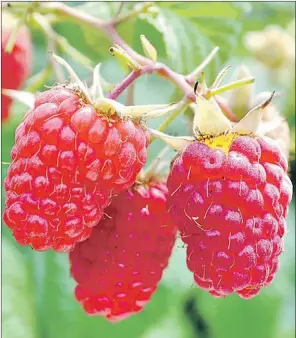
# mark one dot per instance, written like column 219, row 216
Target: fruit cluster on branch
column 77, row 181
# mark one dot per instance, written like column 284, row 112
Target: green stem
column 229, row 86
column 170, row 119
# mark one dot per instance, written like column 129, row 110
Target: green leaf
column 180, row 39
column 189, row 39
column 227, row 10
column 18, row 312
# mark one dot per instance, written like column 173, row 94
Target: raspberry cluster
column 76, row 184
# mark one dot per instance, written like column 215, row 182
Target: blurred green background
column 37, row 288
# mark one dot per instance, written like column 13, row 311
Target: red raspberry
column 67, row 159
column 230, row 207
column 118, row 268
column 16, row 65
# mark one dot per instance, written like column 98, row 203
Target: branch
column 119, row 88
column 185, row 83
column 83, row 18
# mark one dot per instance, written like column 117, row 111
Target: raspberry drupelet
column 230, row 208
column 118, row 268
column 67, row 160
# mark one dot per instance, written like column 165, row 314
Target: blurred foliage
column 37, row 288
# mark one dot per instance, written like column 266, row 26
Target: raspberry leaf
column 17, row 303
column 189, row 36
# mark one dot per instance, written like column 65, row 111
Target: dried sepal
column 26, row 98
column 109, row 107
column 250, row 123
column 208, row 118
column 178, row 143
column 74, row 78
column 96, row 90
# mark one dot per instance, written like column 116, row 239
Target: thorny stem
column 61, row 9
column 185, row 83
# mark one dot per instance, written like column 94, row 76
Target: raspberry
column 67, row 159
column 118, row 268
column 229, row 196
column 18, row 62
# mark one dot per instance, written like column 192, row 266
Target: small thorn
column 26, row 98
column 264, row 96
column 195, row 87
column 267, row 102
column 252, row 121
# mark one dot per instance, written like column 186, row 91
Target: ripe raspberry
column 229, row 196
column 67, row 159
column 118, row 268
column 18, row 62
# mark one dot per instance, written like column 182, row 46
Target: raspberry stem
column 108, row 28
column 127, row 81
column 171, row 118
column 226, row 110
